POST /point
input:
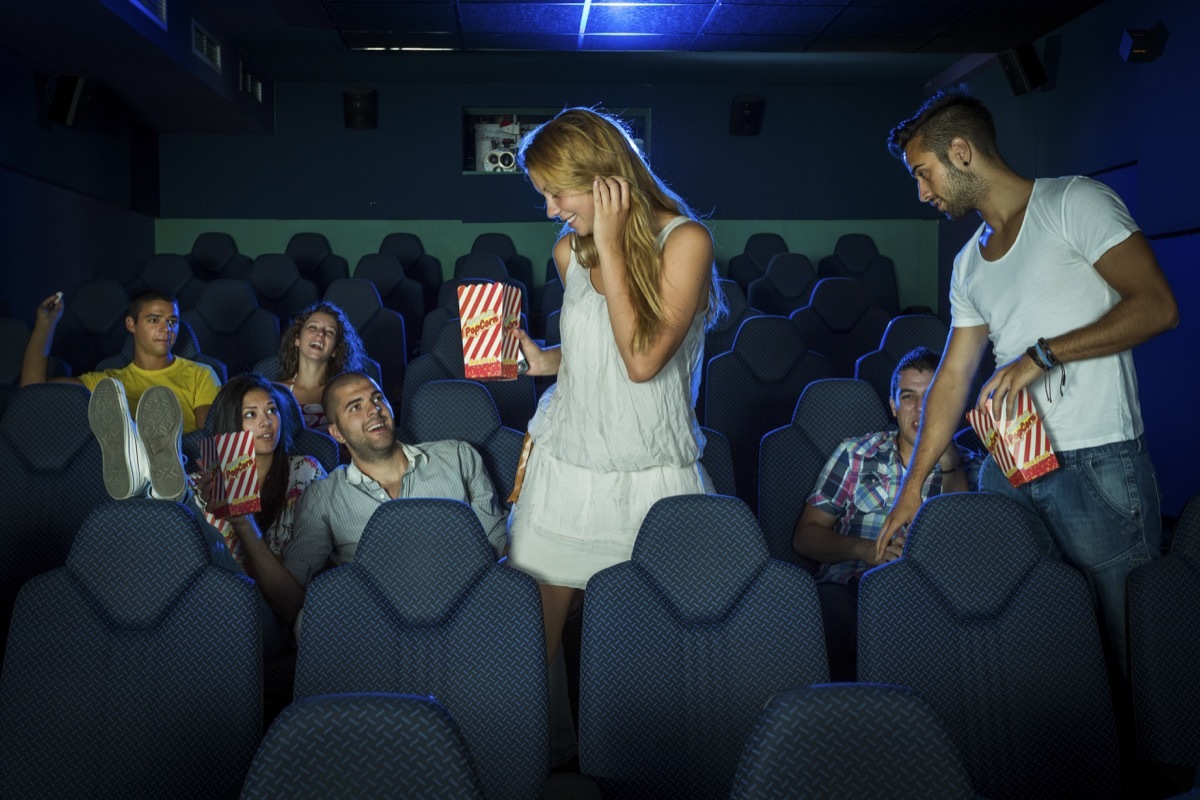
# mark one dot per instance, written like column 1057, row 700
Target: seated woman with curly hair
column 319, row 343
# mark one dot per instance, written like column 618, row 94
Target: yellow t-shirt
column 196, row 385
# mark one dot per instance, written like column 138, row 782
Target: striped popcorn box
column 489, row 315
column 237, row 491
column 1019, row 445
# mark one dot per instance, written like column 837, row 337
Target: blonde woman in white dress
column 618, row 430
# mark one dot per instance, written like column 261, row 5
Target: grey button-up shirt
column 334, row 511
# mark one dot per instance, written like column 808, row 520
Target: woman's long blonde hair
column 568, row 153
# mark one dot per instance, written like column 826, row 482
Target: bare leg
column 556, row 603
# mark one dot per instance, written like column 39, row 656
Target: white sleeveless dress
column 604, row 448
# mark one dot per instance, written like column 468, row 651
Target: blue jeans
column 1099, row 511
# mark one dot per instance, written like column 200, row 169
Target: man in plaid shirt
column 856, row 489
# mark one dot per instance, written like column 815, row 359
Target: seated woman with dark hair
column 250, row 402
column 319, row 343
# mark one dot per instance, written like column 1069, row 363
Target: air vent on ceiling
column 155, row 9
column 206, row 46
column 250, row 84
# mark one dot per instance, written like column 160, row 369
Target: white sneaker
column 123, row 458
column 160, row 428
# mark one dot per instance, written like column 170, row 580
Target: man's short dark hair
column 922, row 360
column 148, row 296
column 949, row 113
column 332, row 387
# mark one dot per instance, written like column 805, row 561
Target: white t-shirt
column 1044, row 286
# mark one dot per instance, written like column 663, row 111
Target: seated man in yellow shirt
column 153, row 319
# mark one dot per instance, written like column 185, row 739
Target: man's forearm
column 37, row 352
column 945, row 406
column 826, row 546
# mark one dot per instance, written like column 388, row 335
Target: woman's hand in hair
column 611, row 200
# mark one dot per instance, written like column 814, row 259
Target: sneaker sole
column 160, row 426
column 108, row 416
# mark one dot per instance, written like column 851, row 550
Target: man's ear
column 130, row 323
column 960, row 152
column 336, row 434
column 892, row 403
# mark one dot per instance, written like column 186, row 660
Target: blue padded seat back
column 839, row 740
column 768, row 348
column 480, row 265
column 791, row 457
column 171, row 273
column 902, row 335
column 112, row 690
column 14, row 336
column 420, row 584
column 424, row 609
column 407, row 247
column 465, row 410
column 1186, row 541
column 397, row 291
column 279, row 287
column 500, row 244
column 1164, row 648
column 230, row 325
column 97, row 305
column 1018, row 677
column 225, row 305
column 92, row 326
column 739, row 552
column 272, row 275
column 856, row 250
column 839, row 302
column 753, row 388
column 682, row 646
column 719, row 338
column 979, row 587
column 381, row 269
column 762, row 247
column 750, row 264
column 840, row 323
column 785, row 286
column 418, row 265
column 309, row 249
column 357, row 297
column 516, row 400
column 453, row 409
column 381, row 746
column 214, row 254
column 45, row 429
column 52, row 480
column 169, row 550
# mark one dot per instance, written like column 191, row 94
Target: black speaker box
column 68, row 101
column 361, row 107
column 1023, row 68
column 746, row 116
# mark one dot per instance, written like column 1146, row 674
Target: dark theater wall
column 67, row 195
column 820, row 155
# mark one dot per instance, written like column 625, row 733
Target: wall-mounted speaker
column 1143, row 45
column 1023, row 68
column 361, row 107
column 68, row 97
column 746, row 116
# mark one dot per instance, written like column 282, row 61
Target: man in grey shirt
column 334, row 511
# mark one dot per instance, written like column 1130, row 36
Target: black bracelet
column 1044, row 348
column 1036, row 357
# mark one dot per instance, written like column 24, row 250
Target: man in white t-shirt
column 1063, row 283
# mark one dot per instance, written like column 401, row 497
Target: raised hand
column 610, row 197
